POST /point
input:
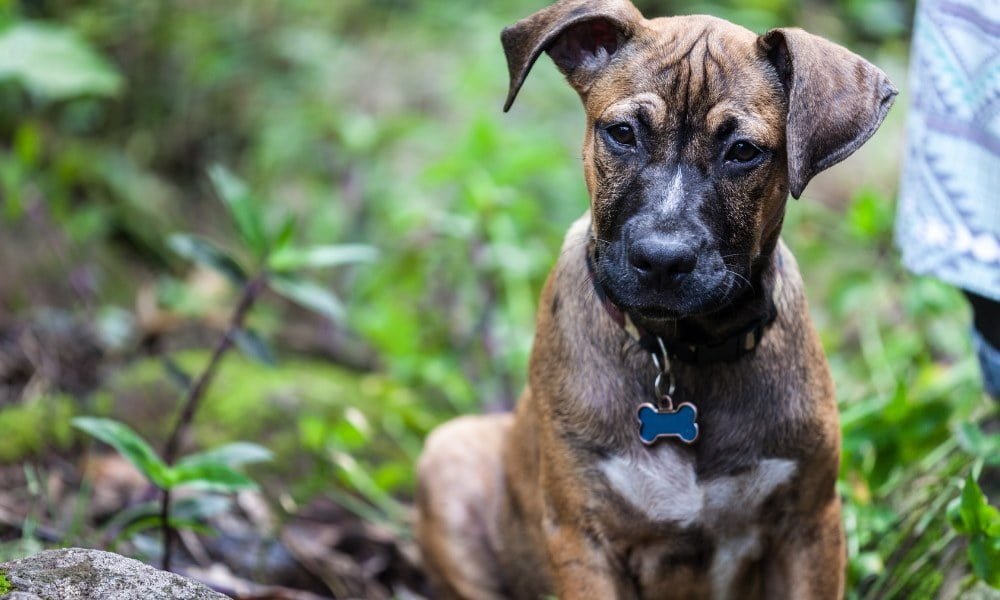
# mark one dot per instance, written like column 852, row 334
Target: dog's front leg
column 810, row 563
column 580, row 568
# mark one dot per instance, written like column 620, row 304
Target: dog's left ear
column 581, row 36
column 836, row 100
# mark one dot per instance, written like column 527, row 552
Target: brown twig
column 251, row 291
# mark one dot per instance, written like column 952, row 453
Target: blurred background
column 375, row 126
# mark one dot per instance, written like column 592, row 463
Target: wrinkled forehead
column 698, row 70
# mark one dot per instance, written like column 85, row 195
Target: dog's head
column 697, row 129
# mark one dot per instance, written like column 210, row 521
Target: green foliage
column 276, row 260
column 908, row 389
column 53, row 63
column 980, row 445
column 286, row 258
column 5, row 585
column 235, row 454
column 30, row 428
column 972, row 516
column 203, row 252
column 213, row 470
column 244, row 210
column 132, row 447
column 186, row 513
column 310, row 295
column 210, row 476
column 310, row 414
column 870, row 217
column 252, row 345
column 487, row 246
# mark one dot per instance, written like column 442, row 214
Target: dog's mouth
column 654, row 313
column 711, row 285
column 663, row 305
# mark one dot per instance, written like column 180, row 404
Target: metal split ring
column 663, row 385
column 663, row 396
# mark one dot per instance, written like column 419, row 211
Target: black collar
column 733, row 347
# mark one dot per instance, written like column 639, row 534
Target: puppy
column 679, row 436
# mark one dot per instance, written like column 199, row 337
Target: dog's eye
column 622, row 133
column 742, row 152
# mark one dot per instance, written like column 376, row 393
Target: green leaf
column 309, row 295
column 153, row 522
column 123, row 519
column 243, row 208
column 210, row 476
column 253, row 346
column 233, row 455
column 185, row 513
column 954, row 514
column 968, row 506
column 971, row 514
column 193, row 525
column 128, row 443
column 139, row 525
column 130, row 514
column 202, row 251
column 984, row 554
column 176, row 374
column 318, row 257
column 199, row 507
column 981, row 445
column 286, row 233
column 54, row 63
column 974, row 510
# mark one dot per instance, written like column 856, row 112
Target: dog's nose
column 661, row 259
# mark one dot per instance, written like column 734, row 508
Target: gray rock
column 80, row 574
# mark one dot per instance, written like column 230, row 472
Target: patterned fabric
column 949, row 208
column 989, row 364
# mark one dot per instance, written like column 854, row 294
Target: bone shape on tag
column 680, row 423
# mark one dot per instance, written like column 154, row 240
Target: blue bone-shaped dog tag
column 680, row 423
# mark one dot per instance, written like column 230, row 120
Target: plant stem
column 251, row 291
column 166, row 530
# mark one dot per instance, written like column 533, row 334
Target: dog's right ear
column 581, row 36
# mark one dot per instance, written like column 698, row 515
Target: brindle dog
column 697, row 130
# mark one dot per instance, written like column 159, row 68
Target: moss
column 302, row 410
column 34, row 427
column 245, row 400
column 5, row 585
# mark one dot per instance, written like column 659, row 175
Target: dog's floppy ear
column 579, row 35
column 836, row 100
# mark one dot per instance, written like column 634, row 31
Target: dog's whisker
column 732, row 272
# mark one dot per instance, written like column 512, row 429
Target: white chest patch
column 660, row 482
